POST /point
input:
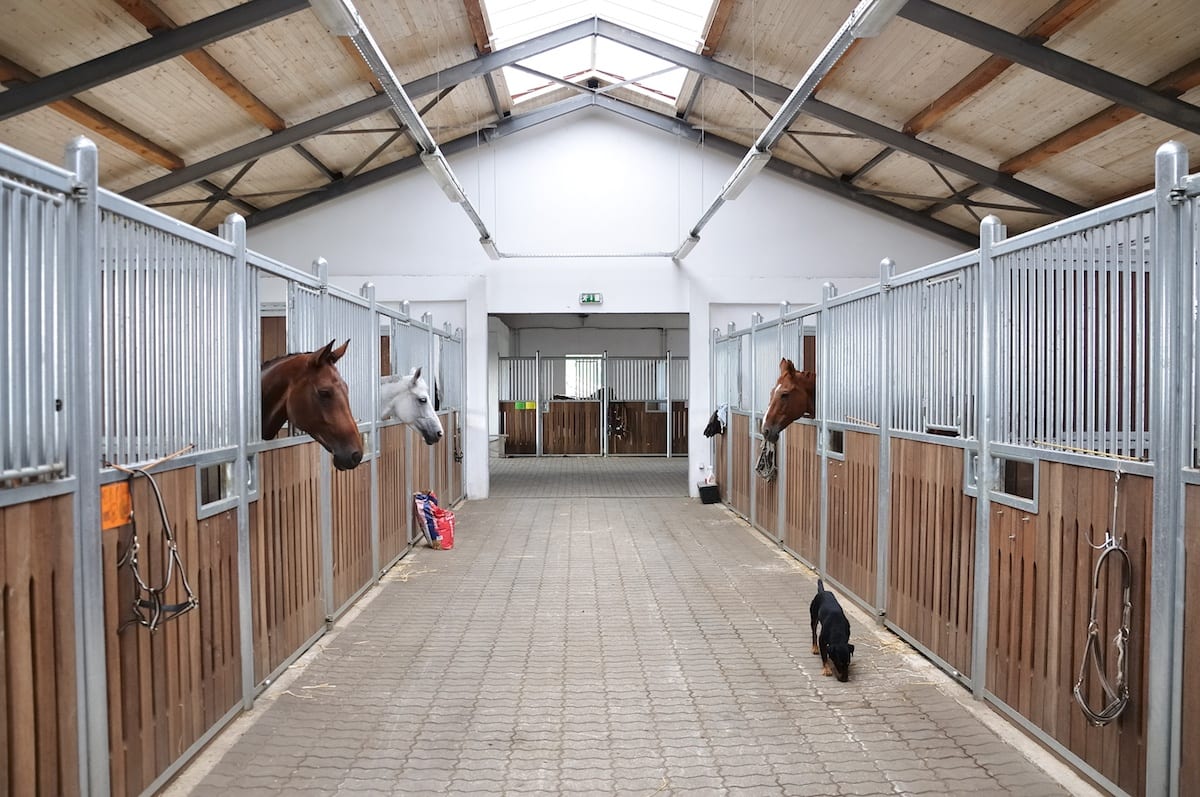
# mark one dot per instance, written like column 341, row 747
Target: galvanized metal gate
column 981, row 423
column 593, row 405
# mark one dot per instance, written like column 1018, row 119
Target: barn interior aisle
column 572, row 644
column 590, row 477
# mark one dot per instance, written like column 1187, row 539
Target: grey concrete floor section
column 630, row 642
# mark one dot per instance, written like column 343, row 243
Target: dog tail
column 820, row 586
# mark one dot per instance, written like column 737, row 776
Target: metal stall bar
column 84, row 447
column 234, row 230
column 828, row 293
column 991, row 231
column 371, row 449
column 885, row 366
column 1169, row 379
column 325, row 477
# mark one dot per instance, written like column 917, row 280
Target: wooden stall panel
column 679, row 428
column 571, row 427
column 169, row 686
column 1039, row 605
column 457, row 491
column 717, row 467
column 394, row 500
column 739, row 440
column 351, row 532
column 442, row 455
column 285, row 556
column 766, row 504
column 802, row 513
column 273, row 338
column 1189, row 765
column 520, row 426
column 853, row 515
column 423, row 475
column 645, row 427
column 38, row 752
column 931, row 550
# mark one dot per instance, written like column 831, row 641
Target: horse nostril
column 356, row 457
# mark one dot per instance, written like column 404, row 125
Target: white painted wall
column 587, row 201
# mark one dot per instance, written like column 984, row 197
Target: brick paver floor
column 607, row 645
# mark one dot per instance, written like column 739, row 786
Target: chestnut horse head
column 794, row 395
column 306, row 391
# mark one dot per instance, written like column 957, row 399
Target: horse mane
column 274, row 360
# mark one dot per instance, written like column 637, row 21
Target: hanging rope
column 149, row 606
column 765, row 467
column 1116, row 692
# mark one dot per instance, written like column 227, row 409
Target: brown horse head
column 794, row 395
column 306, row 391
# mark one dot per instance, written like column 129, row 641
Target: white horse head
column 407, row 399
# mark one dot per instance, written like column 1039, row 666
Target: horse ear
column 416, row 374
column 337, row 353
column 323, row 354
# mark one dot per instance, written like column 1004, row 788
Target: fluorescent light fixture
column 489, row 246
column 686, row 247
column 436, row 163
column 875, row 16
column 338, row 17
column 750, row 166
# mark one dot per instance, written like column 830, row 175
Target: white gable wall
column 588, row 203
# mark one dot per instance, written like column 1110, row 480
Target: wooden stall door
column 520, row 426
column 931, row 550
column 571, row 427
column 169, row 686
column 351, row 532
column 739, row 486
column 853, row 515
column 802, row 513
column 1039, row 605
column 394, row 500
column 38, row 750
column 1189, row 765
column 285, row 556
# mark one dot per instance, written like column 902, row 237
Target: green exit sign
column 591, row 298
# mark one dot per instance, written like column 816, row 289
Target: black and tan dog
column 834, row 643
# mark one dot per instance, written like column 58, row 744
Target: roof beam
column 135, row 57
column 13, row 74
column 1181, row 80
column 1039, row 31
column 515, row 124
column 1061, row 67
column 844, row 119
column 349, row 114
column 156, row 21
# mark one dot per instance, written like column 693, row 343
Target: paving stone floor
column 590, row 643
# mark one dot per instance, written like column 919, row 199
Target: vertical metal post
column 991, row 231
column 1169, row 380
column 755, row 430
column 729, row 397
column 824, row 346
column 325, row 475
column 431, row 378
column 537, row 405
column 883, row 487
column 234, row 230
column 368, row 292
column 604, row 430
column 713, row 398
column 84, row 463
column 781, row 452
column 670, row 409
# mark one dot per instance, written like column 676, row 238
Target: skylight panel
column 678, row 22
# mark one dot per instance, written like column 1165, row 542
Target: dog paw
column 826, row 670
column 816, row 651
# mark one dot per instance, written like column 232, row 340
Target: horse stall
column 593, row 405
column 161, row 561
column 1004, row 468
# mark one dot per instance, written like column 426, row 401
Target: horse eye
column 325, row 394
column 423, row 400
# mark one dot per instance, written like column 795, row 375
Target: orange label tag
column 115, row 506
